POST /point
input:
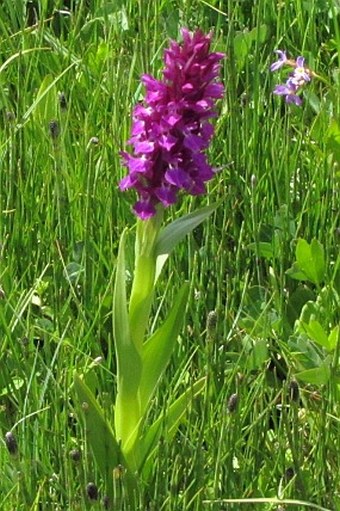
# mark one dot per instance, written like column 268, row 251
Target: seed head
column 232, row 403
column 54, row 129
column 289, row 474
column 92, row 491
column 106, row 502
column 211, row 324
column 62, row 101
column 75, row 455
column 11, row 443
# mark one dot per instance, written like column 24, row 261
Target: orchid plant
column 171, row 131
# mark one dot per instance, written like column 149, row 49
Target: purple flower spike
column 171, row 130
column 281, row 62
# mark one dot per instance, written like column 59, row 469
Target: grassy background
column 69, row 75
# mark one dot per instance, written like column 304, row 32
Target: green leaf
column 315, row 331
column 243, row 42
column 317, row 376
column 258, row 355
column 296, row 301
column 309, row 311
column 167, row 424
column 43, row 107
column 263, row 248
column 295, row 273
column 99, row 434
column 311, row 260
column 173, row 233
column 333, row 337
column 333, row 139
column 304, row 352
column 129, row 366
column 159, row 347
column 46, row 101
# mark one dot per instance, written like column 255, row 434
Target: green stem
column 144, row 277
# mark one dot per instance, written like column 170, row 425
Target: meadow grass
column 69, row 78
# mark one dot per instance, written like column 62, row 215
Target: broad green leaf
column 16, row 383
column 167, row 424
column 316, row 332
column 313, row 100
column 296, row 301
column 309, row 311
column 159, row 347
column 46, row 101
column 258, row 355
column 317, row 376
column 305, row 352
column 334, row 337
column 311, row 260
column 295, row 273
column 333, row 139
column 263, row 248
column 242, row 45
column 243, row 42
column 45, row 90
column 173, row 233
column 129, row 367
column 99, row 434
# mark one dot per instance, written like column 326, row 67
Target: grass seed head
column 11, row 443
column 92, row 491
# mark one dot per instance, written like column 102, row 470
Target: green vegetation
column 262, row 320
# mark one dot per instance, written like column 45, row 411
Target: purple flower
column 296, row 79
column 288, row 90
column 300, row 75
column 281, row 62
column 171, row 129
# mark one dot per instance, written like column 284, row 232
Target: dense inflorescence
column 171, row 129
